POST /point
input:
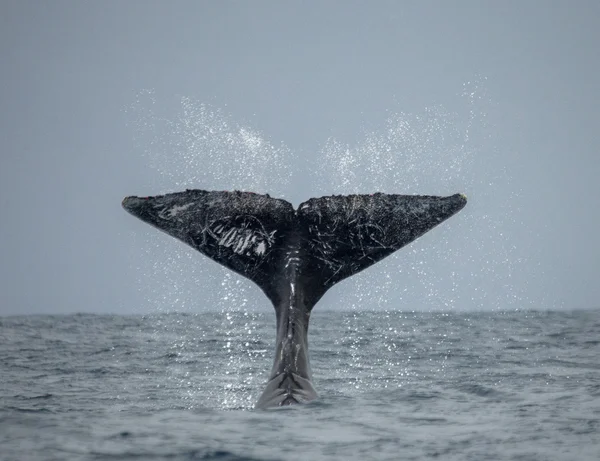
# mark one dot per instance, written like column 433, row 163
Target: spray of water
column 193, row 145
column 470, row 264
column 472, row 261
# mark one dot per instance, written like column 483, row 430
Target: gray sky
column 296, row 75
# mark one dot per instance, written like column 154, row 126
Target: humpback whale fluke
column 294, row 256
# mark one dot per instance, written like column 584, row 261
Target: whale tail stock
column 325, row 240
column 294, row 256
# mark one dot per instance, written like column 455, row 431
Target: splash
column 198, row 146
column 193, row 145
column 472, row 260
column 470, row 263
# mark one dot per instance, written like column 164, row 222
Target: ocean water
column 393, row 386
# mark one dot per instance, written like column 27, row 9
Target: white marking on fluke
column 260, row 248
column 174, row 211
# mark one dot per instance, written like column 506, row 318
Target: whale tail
column 325, row 240
column 294, row 256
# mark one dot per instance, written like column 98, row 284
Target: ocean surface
column 393, row 386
